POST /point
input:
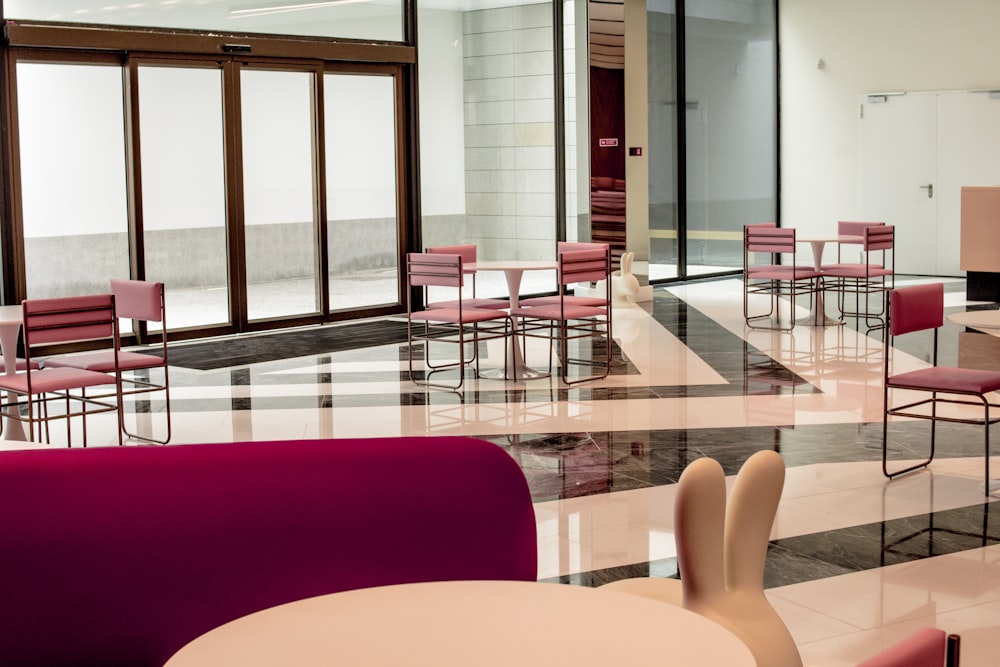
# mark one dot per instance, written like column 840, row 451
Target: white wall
column 865, row 46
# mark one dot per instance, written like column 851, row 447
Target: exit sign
column 606, row 142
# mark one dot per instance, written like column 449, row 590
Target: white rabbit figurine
column 624, row 285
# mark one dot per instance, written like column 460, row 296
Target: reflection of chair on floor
column 919, row 308
column 142, row 301
column 456, row 325
column 65, row 320
column 721, row 552
column 928, row 647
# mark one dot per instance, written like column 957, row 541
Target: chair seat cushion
column 945, row 378
column 456, row 316
column 557, row 312
column 569, row 299
column 104, row 362
column 20, row 365
column 488, row 304
column 54, row 379
column 856, row 271
column 786, row 273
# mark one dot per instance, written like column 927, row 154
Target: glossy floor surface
column 856, row 562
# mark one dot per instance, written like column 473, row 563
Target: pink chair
column 873, row 276
column 919, row 308
column 852, row 228
column 771, row 278
column 458, row 324
column 65, row 320
column 572, row 299
column 137, row 300
column 468, row 254
column 565, row 318
column 929, row 647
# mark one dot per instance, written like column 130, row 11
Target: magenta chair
column 119, row 556
column 919, row 308
column 143, row 301
column 597, row 300
column 872, row 276
column 929, row 647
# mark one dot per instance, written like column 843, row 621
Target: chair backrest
column 139, row 299
column 880, row 237
column 924, row 648
column 855, row 228
column 916, row 308
column 69, row 318
column 582, row 266
column 466, row 251
column 121, row 555
column 424, row 269
column 721, row 550
column 567, row 246
column 765, row 237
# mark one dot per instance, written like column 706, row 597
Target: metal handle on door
column 930, row 190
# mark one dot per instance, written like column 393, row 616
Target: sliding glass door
column 257, row 193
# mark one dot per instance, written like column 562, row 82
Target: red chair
column 64, row 320
column 919, row 308
column 137, row 300
column 771, row 278
column 564, row 318
column 929, row 647
column 457, row 324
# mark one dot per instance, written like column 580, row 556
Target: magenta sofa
column 120, row 556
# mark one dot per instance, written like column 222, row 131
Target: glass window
column 487, row 131
column 358, row 19
column 71, row 134
column 731, row 125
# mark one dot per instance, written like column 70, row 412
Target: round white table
column 987, row 321
column 513, row 270
column 466, row 623
column 817, row 316
column 10, row 326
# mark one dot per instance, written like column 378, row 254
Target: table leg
column 817, row 313
column 12, row 428
column 516, row 368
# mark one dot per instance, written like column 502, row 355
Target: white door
column 899, row 175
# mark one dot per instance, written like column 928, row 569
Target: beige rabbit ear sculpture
column 624, row 285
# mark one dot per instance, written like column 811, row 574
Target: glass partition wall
column 275, row 174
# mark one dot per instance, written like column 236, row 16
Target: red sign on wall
column 607, row 142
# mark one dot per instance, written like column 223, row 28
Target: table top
column 11, row 315
column 987, row 320
column 482, row 623
column 512, row 265
column 828, row 238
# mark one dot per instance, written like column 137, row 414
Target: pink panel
column 138, row 299
column 916, row 308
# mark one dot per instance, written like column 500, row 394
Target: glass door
column 72, row 159
column 279, row 159
column 183, row 189
column 361, row 166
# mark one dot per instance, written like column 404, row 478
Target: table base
column 523, row 373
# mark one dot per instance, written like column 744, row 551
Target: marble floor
column 855, row 563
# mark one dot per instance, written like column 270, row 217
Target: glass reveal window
column 354, row 19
